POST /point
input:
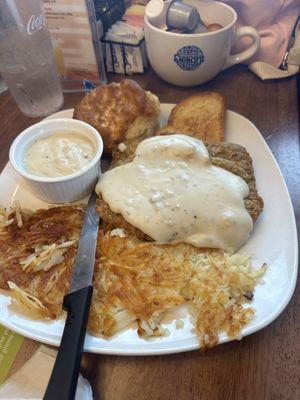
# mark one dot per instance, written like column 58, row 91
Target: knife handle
column 63, row 381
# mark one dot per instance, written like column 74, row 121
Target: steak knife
column 63, row 381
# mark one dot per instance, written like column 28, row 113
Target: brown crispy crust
column 111, row 220
column 43, row 227
column 112, row 108
column 230, row 156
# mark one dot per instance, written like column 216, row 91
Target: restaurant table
column 264, row 365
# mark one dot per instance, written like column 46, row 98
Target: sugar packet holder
column 125, row 58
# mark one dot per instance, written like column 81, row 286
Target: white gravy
column 172, row 192
column 59, row 154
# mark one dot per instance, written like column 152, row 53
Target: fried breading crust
column 232, row 157
column 112, row 109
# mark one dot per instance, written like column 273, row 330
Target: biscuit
column 120, row 111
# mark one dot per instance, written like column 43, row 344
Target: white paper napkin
column 266, row 71
column 135, row 57
column 30, row 381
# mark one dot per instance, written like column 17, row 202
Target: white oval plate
column 274, row 240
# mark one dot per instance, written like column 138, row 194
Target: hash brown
column 134, row 282
column 27, row 240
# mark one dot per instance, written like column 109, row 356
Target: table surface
column 265, row 365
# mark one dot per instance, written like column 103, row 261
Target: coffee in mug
column 189, row 59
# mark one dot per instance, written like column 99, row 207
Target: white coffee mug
column 192, row 59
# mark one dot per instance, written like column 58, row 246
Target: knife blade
column 63, row 381
column 85, row 257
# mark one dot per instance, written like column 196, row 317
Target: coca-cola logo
column 35, row 23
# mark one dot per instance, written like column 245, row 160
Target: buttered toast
column 201, row 115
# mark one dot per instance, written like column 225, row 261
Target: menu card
column 76, row 43
column 10, row 343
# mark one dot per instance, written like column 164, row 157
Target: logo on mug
column 35, row 23
column 189, row 58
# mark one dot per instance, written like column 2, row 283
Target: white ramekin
column 61, row 189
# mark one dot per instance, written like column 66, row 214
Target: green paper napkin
column 10, row 343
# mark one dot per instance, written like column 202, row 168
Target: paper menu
column 10, row 343
column 77, row 47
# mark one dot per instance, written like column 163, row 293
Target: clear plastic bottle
column 26, row 58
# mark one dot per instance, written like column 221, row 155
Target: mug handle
column 248, row 53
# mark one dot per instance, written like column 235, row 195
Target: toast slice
column 201, row 115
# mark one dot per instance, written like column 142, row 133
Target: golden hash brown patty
column 134, row 282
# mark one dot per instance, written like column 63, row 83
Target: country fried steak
column 232, row 157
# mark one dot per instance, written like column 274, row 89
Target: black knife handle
column 63, row 381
